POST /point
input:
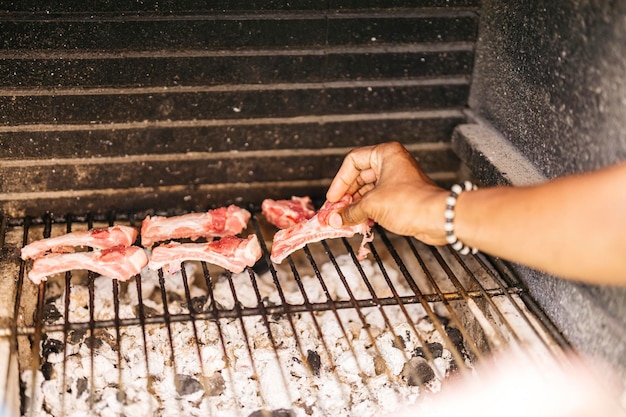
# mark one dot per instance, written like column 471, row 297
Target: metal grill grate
column 320, row 334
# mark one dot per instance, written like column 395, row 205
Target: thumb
column 348, row 216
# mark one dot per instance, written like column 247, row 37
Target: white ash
column 199, row 379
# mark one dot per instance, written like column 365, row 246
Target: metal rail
column 441, row 301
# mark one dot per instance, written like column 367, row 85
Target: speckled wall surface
column 550, row 75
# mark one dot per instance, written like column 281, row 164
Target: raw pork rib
column 97, row 239
column 120, row 263
column 289, row 240
column 223, row 221
column 286, row 213
column 230, row 252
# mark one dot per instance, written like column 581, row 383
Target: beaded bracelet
column 451, row 238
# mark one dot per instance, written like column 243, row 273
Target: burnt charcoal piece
column 147, row 311
column 281, row 412
column 76, row 336
column 315, row 362
column 398, row 342
column 93, row 342
column 47, row 370
column 81, row 386
column 51, row 313
column 51, row 346
column 435, row 348
column 261, row 266
column 105, row 337
column 197, row 304
column 187, row 385
column 215, row 385
column 456, row 338
column 416, row 371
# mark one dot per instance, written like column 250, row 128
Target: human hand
column 388, row 187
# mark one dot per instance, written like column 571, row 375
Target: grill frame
column 545, row 332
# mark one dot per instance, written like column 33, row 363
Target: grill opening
column 319, row 334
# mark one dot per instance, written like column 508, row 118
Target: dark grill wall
column 182, row 105
column 550, row 76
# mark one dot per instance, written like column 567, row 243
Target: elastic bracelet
column 451, row 238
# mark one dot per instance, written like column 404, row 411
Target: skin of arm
column 573, row 227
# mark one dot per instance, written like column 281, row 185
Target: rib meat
column 230, row 252
column 286, row 213
column 119, row 262
column 97, row 239
column 315, row 229
column 223, row 221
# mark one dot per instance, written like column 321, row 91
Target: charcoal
column 398, row 342
column 281, row 412
column 76, row 336
column 187, row 385
column 435, row 348
column 51, row 313
column 147, row 311
column 173, row 297
column 197, row 304
column 416, row 371
column 51, row 346
column 380, row 366
column 268, row 303
column 261, row 266
column 81, row 386
column 456, row 338
column 47, row 370
column 106, row 337
column 315, row 362
column 93, row 342
column 215, row 385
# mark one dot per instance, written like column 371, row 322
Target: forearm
column 574, row 227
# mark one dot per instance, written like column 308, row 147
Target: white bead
column 448, row 227
column 451, row 239
column 456, row 189
column 451, row 201
column 468, row 186
column 449, row 214
column 474, row 251
column 457, row 245
column 464, row 251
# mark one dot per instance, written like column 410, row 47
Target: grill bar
column 414, row 287
column 356, row 307
column 308, row 358
column 332, row 304
column 427, row 350
column 549, row 332
column 213, row 308
column 408, row 299
column 66, row 324
column 271, row 310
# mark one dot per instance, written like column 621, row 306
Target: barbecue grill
column 115, row 111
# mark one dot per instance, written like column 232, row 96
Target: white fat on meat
column 230, row 252
column 120, row 263
column 96, row 238
column 287, row 213
column 317, row 228
column 223, row 221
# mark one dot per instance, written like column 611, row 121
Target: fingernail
column 335, row 220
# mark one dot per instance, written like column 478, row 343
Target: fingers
column 355, row 171
column 350, row 215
